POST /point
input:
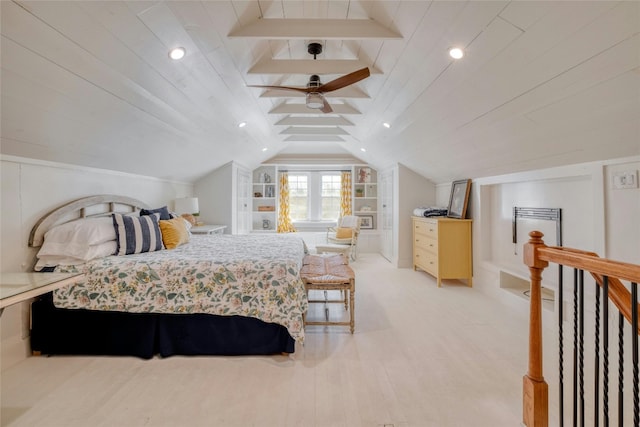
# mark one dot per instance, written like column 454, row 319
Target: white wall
column 413, row 190
column 622, row 213
column 30, row 189
column 215, row 197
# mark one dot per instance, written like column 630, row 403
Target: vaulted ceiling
column 541, row 84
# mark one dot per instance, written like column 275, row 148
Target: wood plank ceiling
column 542, row 84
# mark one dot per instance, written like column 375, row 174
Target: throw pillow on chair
column 344, row 233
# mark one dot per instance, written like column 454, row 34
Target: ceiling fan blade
column 297, row 89
column 345, row 80
column 326, row 108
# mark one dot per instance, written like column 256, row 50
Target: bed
column 212, row 295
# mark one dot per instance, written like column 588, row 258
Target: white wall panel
column 30, row 189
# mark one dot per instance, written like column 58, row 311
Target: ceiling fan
column 315, row 89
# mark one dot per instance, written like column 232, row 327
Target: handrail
column 536, row 256
column 589, row 261
column 598, row 267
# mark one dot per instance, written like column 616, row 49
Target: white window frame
column 307, row 174
column 314, row 193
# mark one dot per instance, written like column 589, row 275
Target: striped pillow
column 135, row 235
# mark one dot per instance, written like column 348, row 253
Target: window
column 330, row 197
column 314, row 196
column 298, row 196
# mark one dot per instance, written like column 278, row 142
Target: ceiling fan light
column 314, row 100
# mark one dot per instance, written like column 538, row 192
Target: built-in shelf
column 520, row 287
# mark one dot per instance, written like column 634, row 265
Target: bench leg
column 352, row 311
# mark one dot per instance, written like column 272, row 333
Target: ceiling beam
column 310, row 130
column 310, row 66
column 347, row 92
column 323, row 29
column 314, row 138
column 286, row 108
column 314, row 121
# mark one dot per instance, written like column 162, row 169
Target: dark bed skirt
column 85, row 332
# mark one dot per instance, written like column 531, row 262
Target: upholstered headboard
column 86, row 207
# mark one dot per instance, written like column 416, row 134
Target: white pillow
column 87, row 231
column 100, row 250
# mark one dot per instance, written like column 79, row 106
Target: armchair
column 343, row 238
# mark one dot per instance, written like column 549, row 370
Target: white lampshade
column 186, row 205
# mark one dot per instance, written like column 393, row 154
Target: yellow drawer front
column 427, row 244
column 429, row 229
column 428, row 261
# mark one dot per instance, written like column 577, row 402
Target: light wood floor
column 421, row 356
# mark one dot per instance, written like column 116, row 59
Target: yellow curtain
column 345, row 194
column 284, row 220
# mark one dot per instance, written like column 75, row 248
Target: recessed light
column 264, row 149
column 242, row 124
column 177, row 53
column 387, row 125
column 364, row 150
column 456, row 53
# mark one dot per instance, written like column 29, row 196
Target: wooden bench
column 329, row 273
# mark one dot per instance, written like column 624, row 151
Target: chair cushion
column 344, row 233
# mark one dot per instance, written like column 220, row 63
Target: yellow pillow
column 174, row 232
column 344, row 233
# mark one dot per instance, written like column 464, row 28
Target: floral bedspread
column 247, row 275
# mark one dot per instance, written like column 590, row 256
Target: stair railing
column 608, row 276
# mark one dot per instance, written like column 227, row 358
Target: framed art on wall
column 366, row 222
column 459, row 198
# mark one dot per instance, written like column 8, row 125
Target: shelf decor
column 364, row 175
column 366, row 222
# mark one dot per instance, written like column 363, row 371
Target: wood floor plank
column 420, row 356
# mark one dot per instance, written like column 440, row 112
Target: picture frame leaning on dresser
column 459, row 199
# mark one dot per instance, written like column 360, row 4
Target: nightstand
column 18, row 287
column 208, row 229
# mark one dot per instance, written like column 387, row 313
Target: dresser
column 442, row 248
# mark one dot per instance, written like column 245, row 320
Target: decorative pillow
column 86, row 231
column 344, row 233
column 137, row 234
column 62, row 257
column 174, row 232
column 163, row 211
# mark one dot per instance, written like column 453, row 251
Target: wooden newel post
column 535, row 392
